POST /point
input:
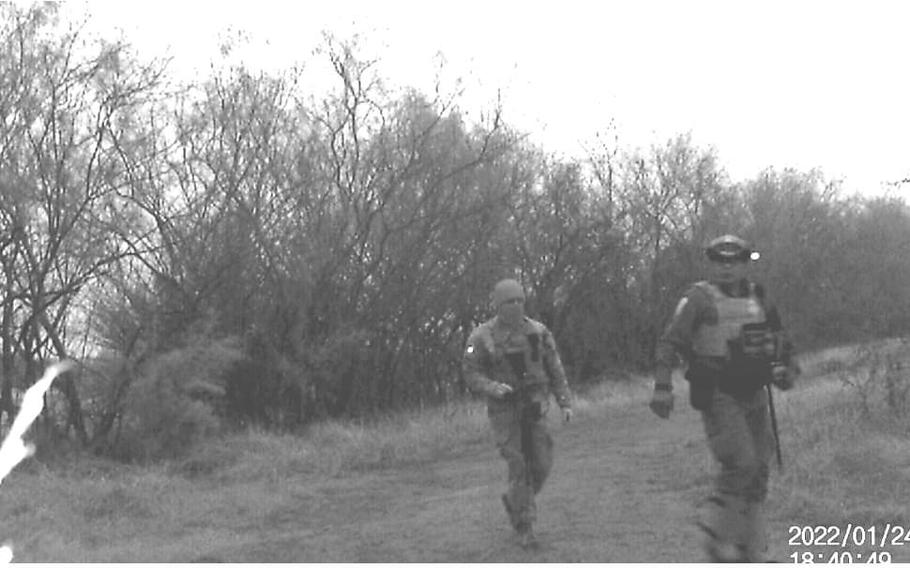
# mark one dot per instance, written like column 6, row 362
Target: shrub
column 879, row 375
column 172, row 403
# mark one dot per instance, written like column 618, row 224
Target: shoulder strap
column 483, row 335
column 757, row 291
column 707, row 288
column 536, row 326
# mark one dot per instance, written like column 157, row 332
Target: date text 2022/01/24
column 846, row 544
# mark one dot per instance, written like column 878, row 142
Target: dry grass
column 93, row 510
column 337, row 448
column 841, row 467
column 846, row 461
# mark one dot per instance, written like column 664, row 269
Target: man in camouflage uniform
column 732, row 340
column 512, row 359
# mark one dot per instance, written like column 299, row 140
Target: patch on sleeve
column 548, row 341
column 679, row 307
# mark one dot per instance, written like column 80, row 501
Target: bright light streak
column 14, row 448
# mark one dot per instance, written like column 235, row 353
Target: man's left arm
column 556, row 374
column 785, row 353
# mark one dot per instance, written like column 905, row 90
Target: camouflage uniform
column 726, row 376
column 486, row 363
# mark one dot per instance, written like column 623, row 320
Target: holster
column 702, row 382
column 750, row 361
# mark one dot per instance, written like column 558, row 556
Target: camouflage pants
column 524, row 483
column 740, row 437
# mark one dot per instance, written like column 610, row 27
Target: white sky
column 767, row 83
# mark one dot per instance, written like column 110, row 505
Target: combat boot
column 725, row 552
column 526, row 538
column 509, row 511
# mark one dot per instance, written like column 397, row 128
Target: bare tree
column 69, row 108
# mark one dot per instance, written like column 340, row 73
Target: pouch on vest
column 751, row 356
column 757, row 341
column 724, row 338
column 516, row 360
column 534, row 341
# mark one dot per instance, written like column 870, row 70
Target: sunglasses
column 729, row 260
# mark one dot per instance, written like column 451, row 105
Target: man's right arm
column 473, row 365
column 676, row 341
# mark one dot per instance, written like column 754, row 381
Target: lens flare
column 14, row 448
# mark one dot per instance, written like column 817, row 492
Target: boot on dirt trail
column 509, row 511
column 526, row 538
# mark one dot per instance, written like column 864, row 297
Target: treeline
column 239, row 250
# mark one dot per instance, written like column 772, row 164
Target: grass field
column 849, row 460
column 843, row 464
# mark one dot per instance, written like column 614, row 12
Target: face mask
column 512, row 312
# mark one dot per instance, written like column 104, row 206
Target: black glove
column 783, row 377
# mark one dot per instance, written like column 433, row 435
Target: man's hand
column 499, row 390
column 661, row 403
column 567, row 414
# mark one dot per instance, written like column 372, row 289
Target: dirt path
column 614, row 496
column 625, row 488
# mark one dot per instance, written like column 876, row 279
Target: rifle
column 780, row 462
column 528, row 412
column 778, row 352
column 756, row 339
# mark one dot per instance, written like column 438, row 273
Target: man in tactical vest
column 512, row 359
column 732, row 340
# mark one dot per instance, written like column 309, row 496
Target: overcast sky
column 766, row 83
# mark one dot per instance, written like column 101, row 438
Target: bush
column 173, row 403
column 880, row 377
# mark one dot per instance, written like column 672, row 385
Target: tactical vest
column 526, row 344
column 732, row 314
